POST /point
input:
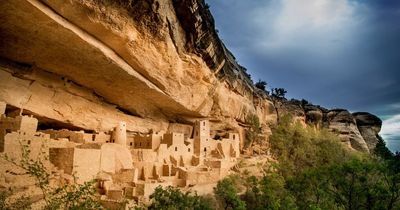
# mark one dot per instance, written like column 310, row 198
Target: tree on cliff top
column 262, row 85
column 278, row 92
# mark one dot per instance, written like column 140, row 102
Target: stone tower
column 201, row 136
column 119, row 134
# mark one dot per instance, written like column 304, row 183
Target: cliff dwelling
column 134, row 167
column 134, row 96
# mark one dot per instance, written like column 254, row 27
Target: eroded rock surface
column 157, row 65
column 147, row 69
column 342, row 122
column 369, row 126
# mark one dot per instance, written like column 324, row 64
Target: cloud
column 336, row 53
column 391, row 127
column 391, row 132
column 308, row 25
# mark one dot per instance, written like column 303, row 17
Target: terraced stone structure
column 137, row 94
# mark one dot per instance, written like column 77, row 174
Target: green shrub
column 226, row 193
column 72, row 196
column 298, row 147
column 317, row 172
column 172, row 198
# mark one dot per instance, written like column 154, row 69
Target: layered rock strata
column 157, row 65
column 359, row 130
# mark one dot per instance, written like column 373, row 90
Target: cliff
column 359, row 130
column 156, row 65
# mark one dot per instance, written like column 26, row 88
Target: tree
column 274, row 195
column 252, row 194
column 304, row 102
column 254, row 129
column 278, row 93
column 381, row 150
column 262, row 85
column 227, row 193
column 172, row 198
column 359, row 183
column 298, row 148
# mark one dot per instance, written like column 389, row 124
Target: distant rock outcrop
column 358, row 130
column 369, row 126
column 342, row 122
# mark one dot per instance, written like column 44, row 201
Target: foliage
column 268, row 193
column 278, row 93
column 319, row 173
column 298, row 147
column 227, row 193
column 381, row 150
column 172, row 198
column 73, row 196
column 304, row 102
column 262, row 85
column 360, row 183
column 17, row 204
column 253, row 131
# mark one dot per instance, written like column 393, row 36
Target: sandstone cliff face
column 358, row 130
column 134, row 56
column 343, row 123
column 369, row 126
column 155, row 64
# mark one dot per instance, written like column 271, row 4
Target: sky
column 335, row 53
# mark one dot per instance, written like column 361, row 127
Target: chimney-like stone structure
column 119, row 134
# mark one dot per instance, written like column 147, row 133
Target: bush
column 381, row 150
column 278, row 93
column 262, row 85
column 8, row 204
column 359, row 183
column 317, row 172
column 72, row 196
column 172, row 198
column 268, row 193
column 226, row 193
column 298, row 148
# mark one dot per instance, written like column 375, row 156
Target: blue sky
column 336, row 53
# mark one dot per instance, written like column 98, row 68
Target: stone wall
column 62, row 158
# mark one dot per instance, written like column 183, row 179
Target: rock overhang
column 35, row 34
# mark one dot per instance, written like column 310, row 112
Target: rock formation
column 123, row 72
column 91, row 64
column 369, row 126
column 358, row 130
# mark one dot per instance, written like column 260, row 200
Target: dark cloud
column 345, row 53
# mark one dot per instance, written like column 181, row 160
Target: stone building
column 130, row 166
